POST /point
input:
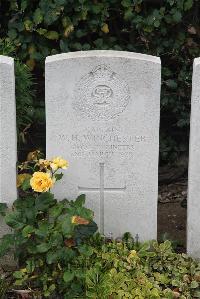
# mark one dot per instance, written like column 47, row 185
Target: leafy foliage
column 148, row 270
column 169, row 29
column 48, row 244
column 47, row 236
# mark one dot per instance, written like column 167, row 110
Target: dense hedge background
column 169, row 29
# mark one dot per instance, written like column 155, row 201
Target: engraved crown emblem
column 101, row 94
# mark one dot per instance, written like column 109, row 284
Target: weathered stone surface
column 8, row 145
column 102, row 113
column 193, row 207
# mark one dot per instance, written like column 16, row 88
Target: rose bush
column 48, row 237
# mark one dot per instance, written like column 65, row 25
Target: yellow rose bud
column 58, row 162
column 41, row 181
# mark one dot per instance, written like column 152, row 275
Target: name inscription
column 100, row 145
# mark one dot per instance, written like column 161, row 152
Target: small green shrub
column 48, row 236
column 149, row 270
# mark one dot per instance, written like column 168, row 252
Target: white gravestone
column 8, row 144
column 102, row 113
column 193, row 208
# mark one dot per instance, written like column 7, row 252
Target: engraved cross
column 101, row 190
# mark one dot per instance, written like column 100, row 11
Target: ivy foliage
column 169, row 29
column 148, row 270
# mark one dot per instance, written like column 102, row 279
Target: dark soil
column 172, row 213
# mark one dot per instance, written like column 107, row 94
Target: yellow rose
column 41, row 181
column 21, row 178
column 58, row 162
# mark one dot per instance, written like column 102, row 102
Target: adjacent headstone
column 8, row 144
column 102, row 114
column 193, row 206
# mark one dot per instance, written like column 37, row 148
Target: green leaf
column 3, row 208
column 43, row 230
column 68, row 276
column 18, row 274
column 194, row 284
column 56, row 210
column 188, row 4
column 97, row 8
column 99, row 43
column 52, row 288
column 196, row 294
column 66, row 21
column 80, row 200
column 28, row 229
column 156, row 23
column 56, row 239
column 86, row 250
column 64, row 46
column 38, row 16
column 85, row 231
column 42, row 248
column 14, row 220
column 30, row 213
column 177, row 16
column 67, row 254
column 26, row 184
column 53, row 35
column 44, row 201
column 6, row 243
column 24, row 4
column 67, row 226
column 28, row 25
column 126, row 3
column 52, row 257
column 128, row 14
column 58, row 176
column 41, row 31
column 30, row 266
column 12, row 33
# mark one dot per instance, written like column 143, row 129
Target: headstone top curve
column 196, row 62
column 6, row 59
column 103, row 53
